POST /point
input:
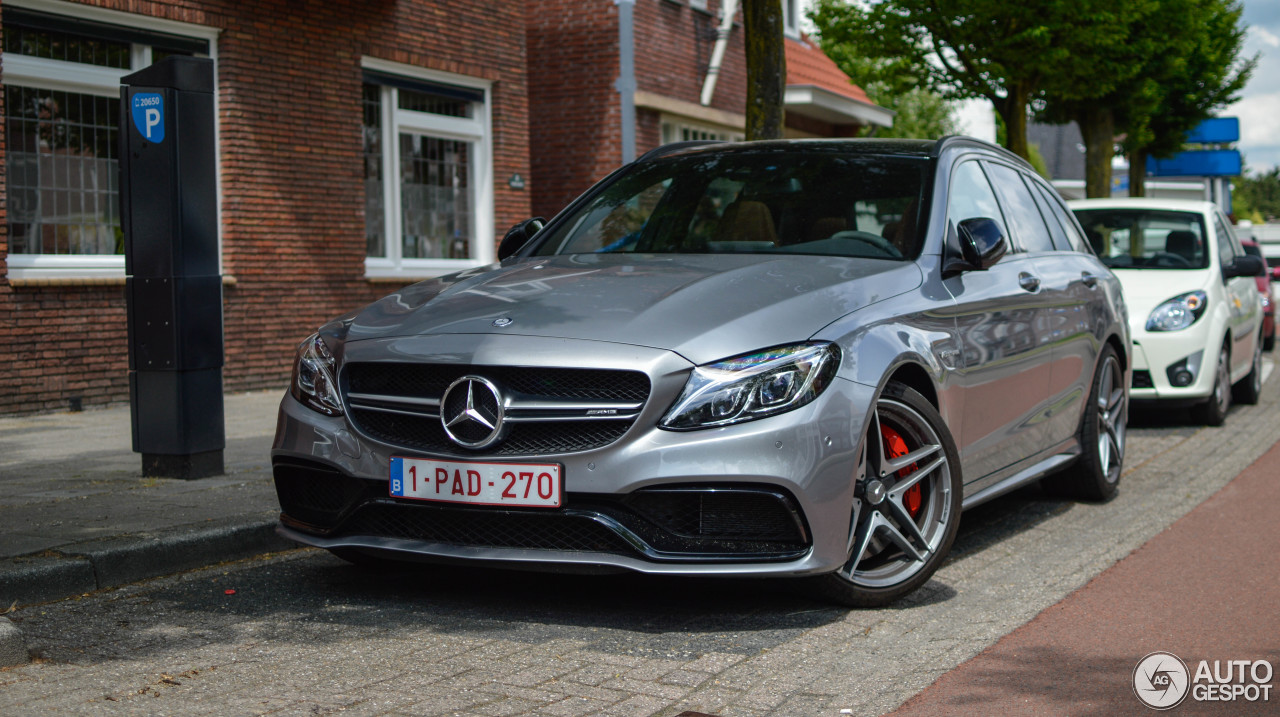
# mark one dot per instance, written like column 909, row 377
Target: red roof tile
column 808, row 65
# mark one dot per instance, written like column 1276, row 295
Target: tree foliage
column 1006, row 52
column 895, row 83
column 1257, row 196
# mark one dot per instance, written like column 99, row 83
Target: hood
column 702, row 306
column 1145, row 289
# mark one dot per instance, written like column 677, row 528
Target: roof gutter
column 728, row 8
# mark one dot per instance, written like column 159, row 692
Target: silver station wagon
column 792, row 359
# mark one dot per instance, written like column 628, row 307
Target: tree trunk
column 1138, row 173
column 1012, row 109
column 766, row 68
column 1098, row 128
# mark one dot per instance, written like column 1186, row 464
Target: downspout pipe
column 626, row 84
column 728, row 8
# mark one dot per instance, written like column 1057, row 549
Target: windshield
column 750, row 202
column 1146, row 238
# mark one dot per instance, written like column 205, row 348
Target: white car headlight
column 313, row 377
column 753, row 386
column 1179, row 312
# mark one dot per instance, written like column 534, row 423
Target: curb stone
column 13, row 649
column 111, row 562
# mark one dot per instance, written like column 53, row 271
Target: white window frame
column 674, row 125
column 477, row 131
column 58, row 75
column 791, row 18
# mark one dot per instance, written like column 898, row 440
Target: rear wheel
column 1213, row 412
column 1096, row 474
column 906, row 506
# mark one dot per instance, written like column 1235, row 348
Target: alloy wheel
column 904, row 505
column 1111, row 419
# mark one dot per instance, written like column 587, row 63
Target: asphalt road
column 303, row 633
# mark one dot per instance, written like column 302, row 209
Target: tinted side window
column 1028, row 226
column 1057, row 210
column 1056, row 231
column 971, row 196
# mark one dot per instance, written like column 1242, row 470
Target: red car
column 1268, row 300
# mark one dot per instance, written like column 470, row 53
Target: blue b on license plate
column 535, row 485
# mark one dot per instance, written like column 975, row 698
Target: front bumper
column 774, row 496
column 1159, row 356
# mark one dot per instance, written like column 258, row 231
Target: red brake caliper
column 895, row 447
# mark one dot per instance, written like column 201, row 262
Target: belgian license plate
column 520, row 484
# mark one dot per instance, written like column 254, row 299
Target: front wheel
column 1096, row 473
column 1213, row 412
column 906, row 506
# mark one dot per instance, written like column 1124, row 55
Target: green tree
column 1258, row 194
column 891, row 82
column 766, row 68
column 1005, row 52
column 1196, row 74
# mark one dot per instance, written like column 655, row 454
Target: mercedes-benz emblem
column 471, row 412
column 504, row 321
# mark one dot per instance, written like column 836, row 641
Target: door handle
column 1090, row 280
column 1028, row 282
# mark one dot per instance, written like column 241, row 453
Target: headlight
column 753, row 386
column 313, row 377
column 1178, row 313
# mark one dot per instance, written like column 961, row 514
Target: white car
column 1194, row 310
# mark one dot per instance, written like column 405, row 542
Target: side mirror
column 1244, row 266
column 981, row 242
column 519, row 235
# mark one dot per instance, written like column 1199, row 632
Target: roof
column 817, row 88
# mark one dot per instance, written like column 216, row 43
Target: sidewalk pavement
column 76, row 515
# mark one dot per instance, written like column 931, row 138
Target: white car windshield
column 1146, row 238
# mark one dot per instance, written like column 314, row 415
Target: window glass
column 1029, row 229
column 971, row 196
column 753, row 201
column 1065, row 219
column 1056, row 230
column 434, row 160
column 375, row 217
column 1226, row 249
column 65, row 46
column 1146, row 238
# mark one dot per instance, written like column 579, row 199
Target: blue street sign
column 1215, row 130
column 148, row 115
column 1198, row 163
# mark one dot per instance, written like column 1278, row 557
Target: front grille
column 1142, row 379
column 694, row 523
column 386, row 409
column 431, row 380
column 425, row 434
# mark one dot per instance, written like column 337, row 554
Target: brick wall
column 289, row 88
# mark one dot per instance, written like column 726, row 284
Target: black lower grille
column 695, row 523
column 1142, row 379
column 486, row 528
column 423, row 433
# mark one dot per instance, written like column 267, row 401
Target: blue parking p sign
column 148, row 115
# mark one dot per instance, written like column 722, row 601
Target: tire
column 1095, row 475
column 1213, row 412
column 1269, row 343
column 898, row 537
column 1249, row 390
